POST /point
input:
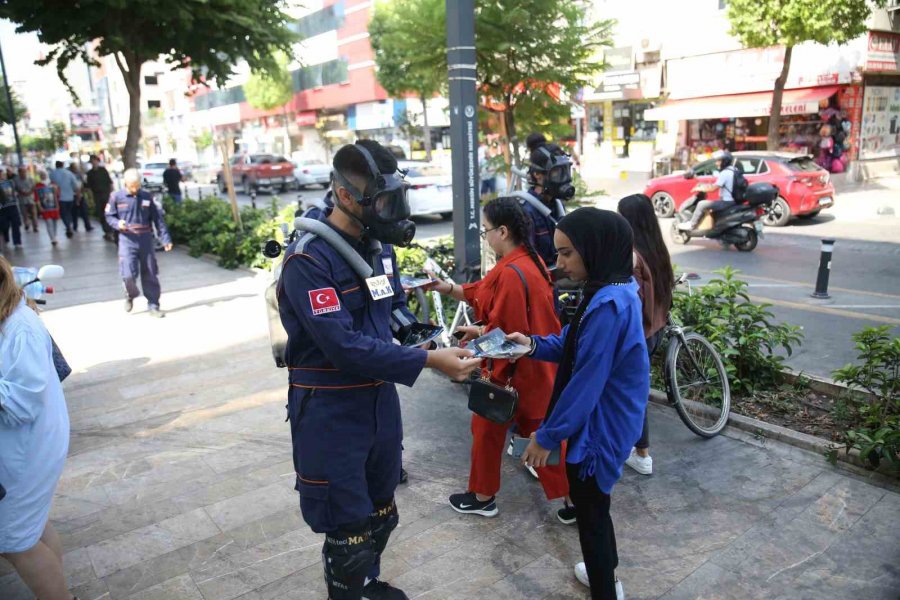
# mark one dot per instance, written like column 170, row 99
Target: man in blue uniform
column 343, row 362
column 133, row 213
column 551, row 183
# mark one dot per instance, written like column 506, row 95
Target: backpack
column 738, row 184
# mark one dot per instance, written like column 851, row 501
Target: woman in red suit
column 499, row 301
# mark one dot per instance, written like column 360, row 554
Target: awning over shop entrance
column 758, row 104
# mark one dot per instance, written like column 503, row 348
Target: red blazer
column 499, row 301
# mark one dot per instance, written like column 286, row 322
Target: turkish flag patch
column 324, row 301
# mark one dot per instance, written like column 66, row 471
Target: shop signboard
column 755, row 69
column 306, row 118
column 617, row 86
column 619, row 59
column 883, row 52
column 880, row 132
column 85, row 120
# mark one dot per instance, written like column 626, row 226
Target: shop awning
column 758, row 104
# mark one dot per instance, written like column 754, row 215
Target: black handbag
column 493, row 401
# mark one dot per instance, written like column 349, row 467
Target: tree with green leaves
column 406, row 49
column 19, row 109
column 531, row 55
column 56, row 133
column 274, row 88
column 209, row 37
column 764, row 23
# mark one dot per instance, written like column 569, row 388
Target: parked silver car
column 312, row 171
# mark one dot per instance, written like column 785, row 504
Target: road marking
column 809, row 286
column 864, row 305
column 827, row 310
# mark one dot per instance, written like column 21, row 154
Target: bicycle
column 696, row 380
column 418, row 302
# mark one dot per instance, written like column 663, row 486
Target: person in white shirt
column 724, row 183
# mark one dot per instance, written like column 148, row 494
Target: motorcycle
column 738, row 224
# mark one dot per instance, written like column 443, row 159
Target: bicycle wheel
column 697, row 384
column 417, row 303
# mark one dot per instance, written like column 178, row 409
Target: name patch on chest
column 145, row 203
column 388, row 266
column 324, row 301
column 380, row 287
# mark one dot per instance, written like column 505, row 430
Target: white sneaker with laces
column 582, row 577
column 641, row 464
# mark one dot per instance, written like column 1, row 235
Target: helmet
column 725, row 156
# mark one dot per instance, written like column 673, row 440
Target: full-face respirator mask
column 557, row 174
column 385, row 206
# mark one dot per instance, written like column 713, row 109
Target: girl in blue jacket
column 602, row 384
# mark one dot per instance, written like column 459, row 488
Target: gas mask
column 385, row 207
column 557, row 175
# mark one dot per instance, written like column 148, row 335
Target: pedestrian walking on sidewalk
column 46, row 197
column 81, row 201
column 655, row 278
column 67, row 184
column 25, row 191
column 172, row 177
column 100, row 184
column 516, row 295
column 34, row 441
column 10, row 219
column 341, row 318
column 133, row 213
column 602, row 384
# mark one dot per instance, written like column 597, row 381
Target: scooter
column 738, row 224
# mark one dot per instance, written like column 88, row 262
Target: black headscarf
column 606, row 244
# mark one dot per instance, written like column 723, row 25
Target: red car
column 253, row 172
column 805, row 187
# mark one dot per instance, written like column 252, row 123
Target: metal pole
column 9, row 103
column 464, row 132
column 824, row 270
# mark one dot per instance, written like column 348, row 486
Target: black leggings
column 652, row 344
column 596, row 533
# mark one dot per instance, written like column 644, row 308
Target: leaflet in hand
column 409, row 283
column 418, row 334
column 495, row 345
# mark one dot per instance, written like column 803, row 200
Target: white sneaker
column 686, row 226
column 641, row 464
column 582, row 577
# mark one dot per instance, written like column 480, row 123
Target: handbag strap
column 512, row 367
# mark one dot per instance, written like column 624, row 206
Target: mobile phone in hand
column 520, row 443
column 459, row 335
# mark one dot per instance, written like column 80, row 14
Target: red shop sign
column 306, row 119
column 883, row 52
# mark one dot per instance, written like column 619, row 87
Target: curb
column 850, row 461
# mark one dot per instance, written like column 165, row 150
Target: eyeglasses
column 484, row 232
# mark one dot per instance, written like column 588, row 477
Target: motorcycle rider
column 724, row 183
column 551, row 182
column 343, row 408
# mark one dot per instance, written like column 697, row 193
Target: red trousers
column 488, row 446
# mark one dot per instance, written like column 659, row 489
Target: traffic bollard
column 253, row 198
column 824, row 270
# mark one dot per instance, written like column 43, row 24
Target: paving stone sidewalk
column 179, row 483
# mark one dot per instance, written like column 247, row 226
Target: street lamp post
column 12, row 110
column 464, row 132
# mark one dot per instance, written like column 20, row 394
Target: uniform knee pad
column 384, row 520
column 347, row 556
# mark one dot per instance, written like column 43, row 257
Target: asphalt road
column 864, row 282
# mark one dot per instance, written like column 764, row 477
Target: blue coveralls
column 137, row 248
column 343, row 407
column 543, row 229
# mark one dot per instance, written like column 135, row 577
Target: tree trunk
column 131, row 72
column 287, row 132
column 777, row 94
column 510, row 120
column 426, row 129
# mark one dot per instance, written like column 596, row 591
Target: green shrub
column 207, row 226
column 744, row 333
column 873, row 421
